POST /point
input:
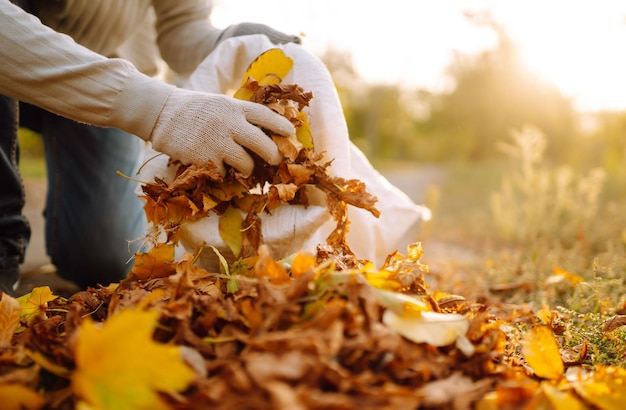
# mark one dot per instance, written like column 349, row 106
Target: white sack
column 291, row 228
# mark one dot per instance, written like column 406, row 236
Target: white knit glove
column 198, row 127
column 246, row 29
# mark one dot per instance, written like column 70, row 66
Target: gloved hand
column 196, row 126
column 246, row 29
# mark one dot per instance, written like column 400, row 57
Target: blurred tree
column 378, row 115
column 381, row 123
column 610, row 133
column 493, row 94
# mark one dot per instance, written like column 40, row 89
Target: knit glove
column 246, row 29
column 198, row 127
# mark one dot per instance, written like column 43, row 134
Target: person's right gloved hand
column 199, row 127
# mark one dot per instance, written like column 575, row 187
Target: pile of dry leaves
column 312, row 331
column 278, row 336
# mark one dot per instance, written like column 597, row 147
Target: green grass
column 31, row 162
column 522, row 218
column 32, row 167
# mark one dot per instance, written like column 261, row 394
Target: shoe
column 9, row 278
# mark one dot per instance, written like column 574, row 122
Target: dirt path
column 37, row 269
column 36, row 189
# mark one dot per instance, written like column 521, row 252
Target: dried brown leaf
column 614, row 323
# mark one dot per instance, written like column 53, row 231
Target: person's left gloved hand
column 246, row 29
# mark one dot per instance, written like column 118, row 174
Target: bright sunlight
column 575, row 45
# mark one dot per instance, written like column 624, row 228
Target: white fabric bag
column 291, row 228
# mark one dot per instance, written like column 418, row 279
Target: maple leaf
column 541, row 352
column 10, row 313
column 120, row 367
column 35, row 303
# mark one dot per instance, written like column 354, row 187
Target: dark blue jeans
column 14, row 228
column 93, row 216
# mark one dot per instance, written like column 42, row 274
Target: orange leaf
column 542, row 354
column 559, row 274
column 17, row 397
column 156, row 263
column 253, row 317
column 302, row 263
column 268, row 268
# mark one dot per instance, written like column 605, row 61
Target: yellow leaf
column 606, row 389
column 383, row 279
column 208, row 203
column 546, row 315
column 244, row 93
column 303, row 131
column 229, row 226
column 435, row 329
column 18, row 397
column 268, row 268
column 158, row 262
column 120, row 367
column 10, row 312
column 269, row 68
column 35, row 303
column 541, row 352
column 561, row 400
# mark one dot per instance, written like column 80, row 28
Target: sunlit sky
column 580, row 45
